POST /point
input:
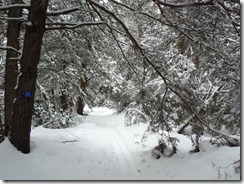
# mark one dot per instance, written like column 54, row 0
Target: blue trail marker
column 28, row 94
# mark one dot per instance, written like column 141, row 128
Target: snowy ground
column 100, row 147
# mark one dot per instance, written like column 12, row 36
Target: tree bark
column 80, row 106
column 64, row 101
column 81, row 103
column 1, row 130
column 11, row 66
column 24, row 103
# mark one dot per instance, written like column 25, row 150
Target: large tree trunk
column 11, row 66
column 24, row 105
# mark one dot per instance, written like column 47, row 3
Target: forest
column 170, row 66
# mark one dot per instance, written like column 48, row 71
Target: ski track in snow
column 100, row 147
column 119, row 159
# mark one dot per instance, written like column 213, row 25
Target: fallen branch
column 70, row 141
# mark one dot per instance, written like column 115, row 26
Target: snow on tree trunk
column 11, row 66
column 24, row 104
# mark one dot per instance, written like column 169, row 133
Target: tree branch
column 71, row 25
column 133, row 40
column 65, row 11
column 229, row 16
column 184, row 5
column 10, row 48
column 118, row 43
column 198, row 118
column 121, row 4
column 14, row 18
column 166, row 81
column 14, row 6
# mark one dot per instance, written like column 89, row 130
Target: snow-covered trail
column 97, row 145
column 114, row 155
column 100, row 147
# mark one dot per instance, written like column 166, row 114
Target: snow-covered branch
column 183, row 5
column 14, row 18
column 61, row 25
column 131, row 37
column 9, row 48
column 14, row 6
column 65, row 11
column 231, row 140
column 121, row 4
column 167, row 82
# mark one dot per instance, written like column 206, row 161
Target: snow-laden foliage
column 197, row 51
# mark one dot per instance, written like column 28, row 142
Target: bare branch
column 71, row 25
column 14, row 6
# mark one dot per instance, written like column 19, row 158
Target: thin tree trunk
column 81, row 102
column 11, row 66
column 64, row 101
column 24, row 105
column 80, row 106
column 1, row 130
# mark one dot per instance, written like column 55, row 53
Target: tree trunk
column 24, row 104
column 1, row 130
column 11, row 66
column 80, row 106
column 81, row 103
column 64, row 101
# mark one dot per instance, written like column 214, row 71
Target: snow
column 100, row 147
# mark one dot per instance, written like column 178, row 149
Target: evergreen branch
column 198, row 117
column 118, row 44
column 168, row 23
column 166, row 81
column 234, row 24
column 130, row 36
